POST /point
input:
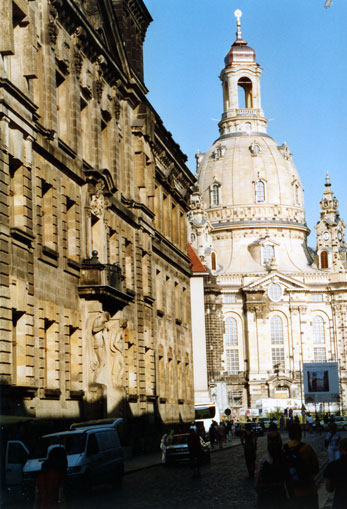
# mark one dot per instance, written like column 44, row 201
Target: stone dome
column 252, row 201
column 255, row 179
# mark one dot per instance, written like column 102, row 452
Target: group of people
column 285, row 477
column 220, row 433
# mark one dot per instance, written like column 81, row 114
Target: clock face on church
column 326, row 236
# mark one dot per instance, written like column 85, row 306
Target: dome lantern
column 241, row 88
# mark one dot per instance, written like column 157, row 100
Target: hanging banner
column 321, row 382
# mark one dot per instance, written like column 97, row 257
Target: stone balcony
column 103, row 282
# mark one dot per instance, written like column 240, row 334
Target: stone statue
column 117, row 351
column 99, row 341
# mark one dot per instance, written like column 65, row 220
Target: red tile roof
column 196, row 263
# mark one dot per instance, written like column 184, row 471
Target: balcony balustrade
column 103, row 281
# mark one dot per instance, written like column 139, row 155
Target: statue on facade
column 99, row 343
column 117, row 352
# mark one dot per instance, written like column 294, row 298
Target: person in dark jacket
column 249, row 442
column 336, row 477
column 49, row 490
column 195, row 450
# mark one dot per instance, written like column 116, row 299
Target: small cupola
column 240, row 52
column 242, row 111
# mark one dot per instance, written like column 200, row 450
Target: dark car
column 178, row 451
column 256, row 428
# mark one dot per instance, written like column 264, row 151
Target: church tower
column 331, row 246
column 247, row 224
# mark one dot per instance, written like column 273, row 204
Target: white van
column 94, row 455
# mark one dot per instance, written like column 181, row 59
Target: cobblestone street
column 223, row 483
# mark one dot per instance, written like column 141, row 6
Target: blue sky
column 302, row 49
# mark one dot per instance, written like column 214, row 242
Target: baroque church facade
column 95, row 299
column 271, row 303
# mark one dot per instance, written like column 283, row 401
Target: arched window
column 260, row 191
column 214, row 195
column 318, row 330
column 226, row 95
column 246, row 99
column 296, row 192
column 268, row 253
column 213, row 261
column 231, row 338
column 276, row 329
column 324, row 260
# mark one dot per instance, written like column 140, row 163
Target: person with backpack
column 302, row 464
column 249, row 442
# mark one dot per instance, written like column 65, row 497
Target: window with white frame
column 260, row 191
column 232, row 361
column 214, row 195
column 231, row 338
column 317, row 297
column 276, row 328
column 229, row 298
column 318, row 330
column 319, row 355
column 277, row 356
column 268, row 253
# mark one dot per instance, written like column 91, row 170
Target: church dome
column 248, row 176
column 251, row 193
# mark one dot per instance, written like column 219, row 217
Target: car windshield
column 73, row 444
column 179, row 439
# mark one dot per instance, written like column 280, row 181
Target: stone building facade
column 282, row 303
column 95, row 299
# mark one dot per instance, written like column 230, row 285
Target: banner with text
column 321, row 382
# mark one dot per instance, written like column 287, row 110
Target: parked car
column 264, row 422
column 178, row 450
column 94, row 455
column 341, row 422
column 256, row 428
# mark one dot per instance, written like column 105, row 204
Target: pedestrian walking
column 271, row 477
column 249, row 442
column 195, row 450
column 309, row 420
column 221, row 434
column 213, row 433
column 332, row 440
column 166, row 440
column 49, row 489
column 302, row 466
column 336, row 477
column 282, row 423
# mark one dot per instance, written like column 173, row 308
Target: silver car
column 178, row 450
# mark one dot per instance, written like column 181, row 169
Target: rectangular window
column 72, row 230
column 232, row 361
column 268, row 253
column 49, row 216
column 317, row 297
column 319, row 355
column 229, row 298
column 277, row 356
column 52, row 353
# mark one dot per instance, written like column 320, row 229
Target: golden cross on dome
column 238, row 15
